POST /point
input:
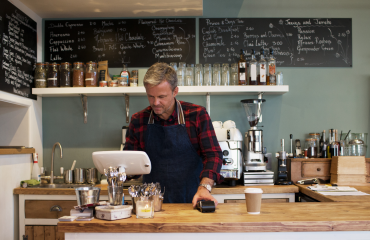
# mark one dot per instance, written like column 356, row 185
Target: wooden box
column 348, row 165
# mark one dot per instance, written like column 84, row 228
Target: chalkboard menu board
column 297, row 42
column 135, row 42
column 18, row 47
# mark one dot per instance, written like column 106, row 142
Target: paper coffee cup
column 253, row 198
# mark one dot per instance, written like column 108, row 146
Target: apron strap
column 180, row 115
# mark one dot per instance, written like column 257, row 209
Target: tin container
column 91, row 175
column 80, row 175
column 68, row 176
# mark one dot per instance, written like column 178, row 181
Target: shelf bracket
column 84, row 106
column 127, row 103
column 208, row 106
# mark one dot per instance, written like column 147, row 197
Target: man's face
column 162, row 99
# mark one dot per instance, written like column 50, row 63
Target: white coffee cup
column 253, row 198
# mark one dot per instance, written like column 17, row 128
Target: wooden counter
column 233, row 218
column 218, row 190
column 324, row 198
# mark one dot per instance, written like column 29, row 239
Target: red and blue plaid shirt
column 199, row 128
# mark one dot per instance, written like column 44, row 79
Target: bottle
column 253, row 69
column 242, row 69
column 272, row 68
column 323, row 146
column 36, row 174
column 334, row 145
column 267, row 58
column 261, row 78
column 125, row 74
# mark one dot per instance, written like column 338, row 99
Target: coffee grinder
column 253, row 139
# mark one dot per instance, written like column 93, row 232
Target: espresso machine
column 230, row 140
column 254, row 156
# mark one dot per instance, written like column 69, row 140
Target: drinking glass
column 225, row 75
column 174, row 65
column 180, row 76
column 198, row 75
column 216, row 74
column 234, row 74
column 207, row 80
column 189, row 76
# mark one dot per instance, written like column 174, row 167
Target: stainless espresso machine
column 254, row 157
column 230, row 140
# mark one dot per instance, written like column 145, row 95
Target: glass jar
column 216, row 74
column 207, row 77
column 357, row 147
column 53, row 75
column 315, row 136
column 78, row 74
column 225, row 81
column 311, row 147
column 181, row 74
column 174, row 65
column 40, row 75
column 91, row 75
column 144, row 208
column 65, row 75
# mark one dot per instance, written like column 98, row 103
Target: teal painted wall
column 318, row 98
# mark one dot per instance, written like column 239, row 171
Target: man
column 179, row 139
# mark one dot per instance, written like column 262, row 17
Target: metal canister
column 80, row 176
column 91, row 175
column 68, row 176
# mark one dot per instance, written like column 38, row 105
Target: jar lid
column 53, row 64
column 356, row 142
column 78, row 63
column 40, row 64
column 310, row 139
column 314, row 134
column 65, row 63
column 91, row 63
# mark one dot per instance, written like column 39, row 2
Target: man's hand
column 203, row 193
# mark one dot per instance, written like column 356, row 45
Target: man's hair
column 160, row 72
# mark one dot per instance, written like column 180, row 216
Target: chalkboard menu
column 18, row 47
column 135, row 42
column 297, row 42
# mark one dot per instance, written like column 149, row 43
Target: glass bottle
column 267, row 58
column 272, row 68
column 334, row 144
column 261, row 78
column 53, row 75
column 216, row 74
column 91, row 75
column 225, row 80
column 78, row 74
column 65, row 75
column 323, row 145
column 40, row 75
column 253, row 69
column 125, row 74
column 242, row 69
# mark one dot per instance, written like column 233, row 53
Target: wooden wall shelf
column 10, row 150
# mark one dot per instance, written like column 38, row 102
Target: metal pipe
column 52, row 160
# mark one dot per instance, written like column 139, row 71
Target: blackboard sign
column 135, row 42
column 297, row 42
column 18, row 47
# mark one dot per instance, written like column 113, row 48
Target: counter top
column 324, row 198
column 218, row 190
column 233, row 217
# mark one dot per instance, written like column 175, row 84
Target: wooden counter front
column 233, row 218
column 325, row 198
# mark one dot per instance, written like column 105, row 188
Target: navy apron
column 176, row 164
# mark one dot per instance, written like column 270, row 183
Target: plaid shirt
column 199, row 128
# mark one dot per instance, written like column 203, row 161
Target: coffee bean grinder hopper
column 254, row 157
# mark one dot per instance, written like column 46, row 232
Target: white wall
column 20, row 124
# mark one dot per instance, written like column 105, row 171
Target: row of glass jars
column 208, row 75
column 63, row 75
